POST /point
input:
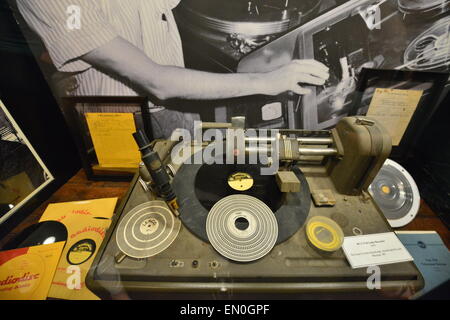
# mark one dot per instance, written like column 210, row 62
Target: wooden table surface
column 78, row 188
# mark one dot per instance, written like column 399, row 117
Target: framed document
column 103, row 128
column 403, row 101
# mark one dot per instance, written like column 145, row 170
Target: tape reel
column 324, row 234
column 242, row 228
column 396, row 193
column 430, row 49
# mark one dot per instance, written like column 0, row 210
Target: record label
column 81, row 252
column 240, row 181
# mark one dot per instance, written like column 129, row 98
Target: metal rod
column 318, row 151
column 305, row 140
column 302, row 151
column 315, row 140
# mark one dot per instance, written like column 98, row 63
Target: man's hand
column 291, row 76
column 121, row 58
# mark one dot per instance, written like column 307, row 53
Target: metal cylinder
column 318, row 151
column 315, row 140
column 260, row 139
column 302, row 151
column 303, row 140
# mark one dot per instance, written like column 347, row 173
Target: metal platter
column 242, row 228
column 147, row 230
column 251, row 18
column 396, row 193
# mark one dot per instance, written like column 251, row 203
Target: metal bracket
column 372, row 15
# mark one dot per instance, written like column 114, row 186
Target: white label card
column 374, row 250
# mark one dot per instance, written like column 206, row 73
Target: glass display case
column 23, row 174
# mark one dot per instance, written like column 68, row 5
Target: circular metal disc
column 147, row 230
column 430, row 49
column 244, row 17
column 396, row 193
column 242, row 228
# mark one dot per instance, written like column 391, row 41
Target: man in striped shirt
column 132, row 47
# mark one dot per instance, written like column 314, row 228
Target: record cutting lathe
column 245, row 231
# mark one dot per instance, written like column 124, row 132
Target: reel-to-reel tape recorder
column 222, row 229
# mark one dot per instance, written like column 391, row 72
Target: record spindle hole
column 241, row 223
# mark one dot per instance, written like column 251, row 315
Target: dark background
column 26, row 95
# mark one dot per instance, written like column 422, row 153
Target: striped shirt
column 147, row 24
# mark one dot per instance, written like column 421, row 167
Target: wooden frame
column 80, row 131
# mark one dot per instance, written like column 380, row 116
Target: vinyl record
column 396, row 193
column 46, row 232
column 200, row 186
column 242, row 228
column 147, row 230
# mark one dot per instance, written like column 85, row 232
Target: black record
column 46, row 232
column 199, row 187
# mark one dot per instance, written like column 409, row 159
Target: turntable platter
column 248, row 17
column 147, row 230
column 211, row 184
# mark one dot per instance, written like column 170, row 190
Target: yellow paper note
column 394, row 108
column 112, row 136
column 15, row 189
column 85, row 235
column 27, row 273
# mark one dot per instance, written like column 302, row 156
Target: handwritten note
column 111, row 135
column 394, row 108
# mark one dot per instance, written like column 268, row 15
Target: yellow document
column 86, row 223
column 112, row 136
column 394, row 108
column 27, row 273
column 15, row 189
